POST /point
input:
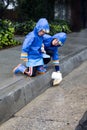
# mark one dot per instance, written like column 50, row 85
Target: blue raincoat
column 33, row 42
column 61, row 37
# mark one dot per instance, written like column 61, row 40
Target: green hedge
column 55, row 27
column 24, row 27
column 59, row 26
column 6, row 34
column 8, row 29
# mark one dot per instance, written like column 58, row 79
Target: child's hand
column 55, row 42
column 42, row 49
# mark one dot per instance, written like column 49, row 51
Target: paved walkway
column 58, row 108
column 9, row 58
column 17, row 91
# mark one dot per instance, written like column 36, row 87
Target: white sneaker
column 57, row 78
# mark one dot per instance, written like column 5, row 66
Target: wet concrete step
column 16, row 92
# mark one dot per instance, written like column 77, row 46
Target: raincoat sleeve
column 61, row 37
column 26, row 46
column 47, row 40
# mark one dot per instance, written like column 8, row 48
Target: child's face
column 41, row 33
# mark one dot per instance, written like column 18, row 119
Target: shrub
column 55, row 27
column 6, row 34
column 59, row 26
column 24, row 28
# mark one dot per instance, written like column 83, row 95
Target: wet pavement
column 58, row 108
column 18, row 90
column 9, row 58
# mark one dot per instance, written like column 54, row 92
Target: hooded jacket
column 33, row 42
column 61, row 37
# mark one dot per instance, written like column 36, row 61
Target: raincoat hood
column 42, row 24
column 60, row 37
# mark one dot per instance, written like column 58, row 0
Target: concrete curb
column 72, row 61
column 13, row 97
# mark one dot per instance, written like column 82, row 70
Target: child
column 51, row 44
column 31, row 50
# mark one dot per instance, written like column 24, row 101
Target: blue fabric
column 33, row 42
column 54, row 52
column 47, row 39
column 57, row 68
column 45, row 55
column 60, row 37
column 20, row 68
column 48, row 43
column 42, row 24
column 35, row 62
